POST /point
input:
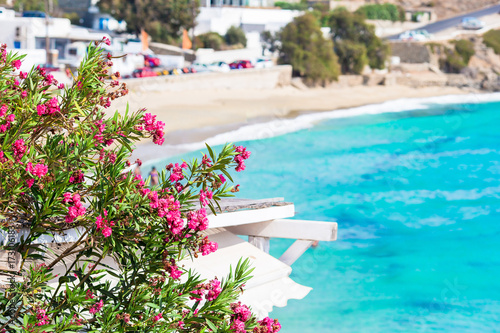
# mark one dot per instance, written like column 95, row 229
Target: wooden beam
column 10, row 260
column 250, row 216
column 262, row 243
column 285, row 228
column 295, row 251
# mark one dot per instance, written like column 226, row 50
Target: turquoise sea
column 416, row 194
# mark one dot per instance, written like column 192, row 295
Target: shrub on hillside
column 302, row 5
column 235, row 35
column 386, row 11
column 210, row 40
column 465, row 48
column 492, row 39
column 310, row 54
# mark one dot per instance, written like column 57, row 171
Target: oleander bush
column 64, row 167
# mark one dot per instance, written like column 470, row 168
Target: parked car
column 49, row 68
column 472, row 23
column 200, row 68
column 144, row 72
column 415, row 35
column 263, row 63
column 240, row 64
column 34, row 13
column 151, row 61
column 219, row 66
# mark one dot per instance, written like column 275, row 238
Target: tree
column 347, row 26
column 310, row 54
column 352, row 56
column 235, row 35
column 64, row 168
column 162, row 19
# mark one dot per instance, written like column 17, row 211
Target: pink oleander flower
column 104, row 225
column 23, row 75
column 240, row 157
column 24, row 94
column 270, row 326
column 3, row 110
column 238, row 327
column 206, row 247
column 222, row 179
column 38, row 170
column 205, row 196
column 30, row 182
column 17, row 64
column 41, row 316
column 10, row 118
column 197, row 220
column 213, row 290
column 97, row 307
column 241, row 312
column 19, row 149
column 106, row 41
column 158, row 317
column 76, row 210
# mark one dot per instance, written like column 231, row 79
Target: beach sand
column 193, row 116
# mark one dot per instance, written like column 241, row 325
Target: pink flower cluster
column 39, row 170
column 158, row 317
column 97, row 307
column 89, row 294
column 155, row 128
column 77, row 177
column 99, row 126
column 48, row 79
column 211, row 290
column 41, row 316
column 8, row 119
column 176, row 171
column 268, row 325
column 104, row 225
column 77, row 209
column 172, row 269
column 240, row 158
column 197, row 220
column 49, row 107
column 19, row 149
column 204, row 196
column 169, row 208
column 241, row 313
column 207, row 246
column 17, row 64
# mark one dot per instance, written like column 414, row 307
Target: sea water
column 416, row 195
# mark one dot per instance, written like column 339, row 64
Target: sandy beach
column 193, row 116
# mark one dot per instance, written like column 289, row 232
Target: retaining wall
column 265, row 78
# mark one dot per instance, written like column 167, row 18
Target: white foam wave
column 280, row 126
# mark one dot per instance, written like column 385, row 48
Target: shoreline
column 197, row 117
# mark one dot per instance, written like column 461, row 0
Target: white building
column 30, row 33
column 219, row 19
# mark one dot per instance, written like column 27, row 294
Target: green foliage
column 346, row 26
column 465, row 48
column 64, row 167
column 164, row 20
column 291, row 5
column 73, row 17
column 28, row 5
column 492, row 39
column 386, row 11
column 270, row 41
column 309, row 53
column 415, row 17
column 452, row 62
column 210, row 40
column 235, row 35
column 352, row 56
